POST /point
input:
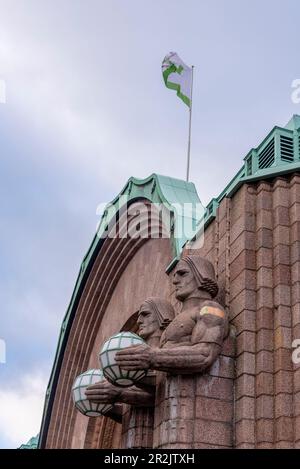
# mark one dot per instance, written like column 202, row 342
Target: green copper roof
column 31, row 444
column 171, row 192
column 277, row 154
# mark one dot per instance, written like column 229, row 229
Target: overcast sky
column 86, row 108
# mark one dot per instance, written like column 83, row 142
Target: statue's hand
column 136, row 357
column 103, row 392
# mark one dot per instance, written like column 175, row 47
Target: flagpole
column 190, row 129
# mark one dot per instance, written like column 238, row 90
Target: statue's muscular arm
column 105, row 392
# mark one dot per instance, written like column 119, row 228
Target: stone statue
column 193, row 340
column 154, row 316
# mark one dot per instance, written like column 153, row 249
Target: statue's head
column 192, row 274
column 154, row 316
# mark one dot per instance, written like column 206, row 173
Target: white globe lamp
column 111, row 370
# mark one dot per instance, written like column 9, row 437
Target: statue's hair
column 204, row 273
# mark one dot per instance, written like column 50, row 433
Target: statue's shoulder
column 213, row 308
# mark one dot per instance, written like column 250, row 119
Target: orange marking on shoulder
column 211, row 310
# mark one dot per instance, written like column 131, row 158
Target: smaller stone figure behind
column 154, row 316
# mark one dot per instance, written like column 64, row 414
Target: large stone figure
column 193, row 340
column 194, row 382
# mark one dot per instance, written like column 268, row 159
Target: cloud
column 21, row 409
column 86, row 109
column 33, row 312
column 100, row 117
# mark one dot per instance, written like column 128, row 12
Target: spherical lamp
column 111, row 370
column 86, row 407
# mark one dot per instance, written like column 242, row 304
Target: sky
column 85, row 109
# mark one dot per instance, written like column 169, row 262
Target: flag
column 178, row 76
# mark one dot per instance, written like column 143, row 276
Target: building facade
column 250, row 397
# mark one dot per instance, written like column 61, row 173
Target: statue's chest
column 181, row 327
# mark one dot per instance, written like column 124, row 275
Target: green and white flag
column 178, row 76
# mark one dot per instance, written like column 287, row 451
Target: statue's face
column 184, row 281
column 147, row 321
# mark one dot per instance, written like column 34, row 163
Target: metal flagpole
column 190, row 128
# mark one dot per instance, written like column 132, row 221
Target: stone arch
column 101, row 271
column 67, row 428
